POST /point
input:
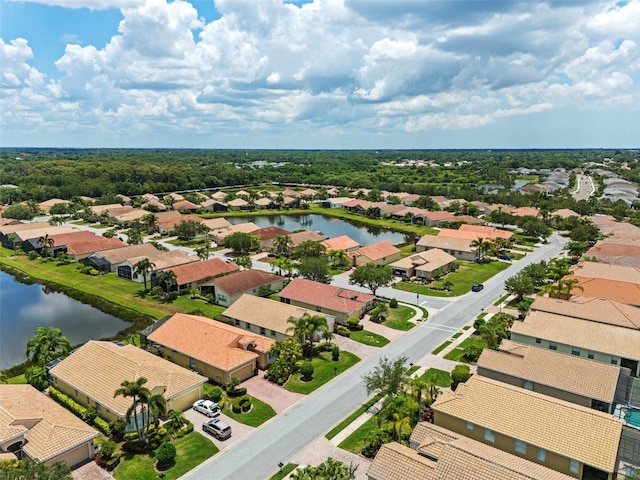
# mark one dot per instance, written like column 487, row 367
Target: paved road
column 585, row 187
column 257, row 455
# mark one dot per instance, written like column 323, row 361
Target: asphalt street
column 256, row 457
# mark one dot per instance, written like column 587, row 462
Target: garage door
column 184, row 401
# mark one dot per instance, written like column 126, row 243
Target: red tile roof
column 245, row 281
column 267, row 233
column 193, row 272
column 377, row 251
column 343, row 242
column 326, row 296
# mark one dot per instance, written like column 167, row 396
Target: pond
column 331, row 227
column 25, row 307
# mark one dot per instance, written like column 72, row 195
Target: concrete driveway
column 238, row 430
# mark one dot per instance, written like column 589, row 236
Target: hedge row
column 241, row 405
column 78, row 410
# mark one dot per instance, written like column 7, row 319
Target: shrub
column 103, row 426
column 393, row 303
column 472, row 353
column 89, row 415
column 183, row 431
column 117, row 428
column 306, row 370
column 335, row 353
column 354, row 325
column 245, row 404
column 136, row 446
column 215, row 394
column 112, row 463
column 237, row 392
column 130, row 436
column 342, row 331
column 107, row 449
column 235, row 406
column 460, row 374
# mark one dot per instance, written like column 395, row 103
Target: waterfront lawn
column 192, row 450
column 17, row 380
column 188, row 304
column 323, row 371
column 259, row 413
column 458, row 352
column 442, row 378
column 369, row 338
column 399, row 318
column 468, row 274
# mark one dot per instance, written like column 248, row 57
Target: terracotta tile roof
column 245, row 281
column 565, row 213
column 268, row 233
column 19, row 227
column 174, row 221
column 95, row 244
column 54, row 429
column 184, row 205
column 584, row 334
column 546, row 367
column 130, row 216
column 391, row 209
column 570, row 430
column 397, row 462
column 522, row 211
column 209, row 341
column 246, row 227
column 263, row 202
column 149, row 196
column 427, row 261
column 595, row 309
column 237, row 202
column 299, row 237
column 98, row 368
column 66, row 238
column 343, row 242
column 111, row 207
column 439, row 199
column 264, row 312
column 325, row 296
column 487, row 232
column 437, row 216
column 616, row 253
column 156, row 203
column 118, row 255
column 606, row 271
column 220, row 195
column 47, row 204
column 176, row 197
column 204, row 269
column 377, row 251
column 460, row 457
column 624, row 292
column 445, row 243
column 166, row 260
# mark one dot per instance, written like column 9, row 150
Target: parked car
column 209, row 408
column 217, row 428
column 503, row 256
column 477, row 287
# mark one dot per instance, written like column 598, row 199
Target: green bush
column 117, row 428
column 102, row 425
column 460, row 374
column 237, row 392
column 107, row 449
column 354, row 325
column 214, row 394
column 335, row 353
column 306, row 370
column 112, row 463
column 130, row 436
column 393, row 303
column 89, row 415
column 246, row 406
column 235, row 406
column 136, row 446
column 342, row 331
column 78, row 410
column 166, row 454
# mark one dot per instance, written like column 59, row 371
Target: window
column 98, row 407
column 614, row 361
column 262, row 331
column 273, row 333
column 237, row 322
column 541, row 455
column 489, row 435
column 247, row 325
column 590, row 355
column 575, row 351
column 192, row 363
column 527, row 384
column 318, row 309
column 553, row 346
column 469, row 426
column 76, row 393
column 521, row 447
column 574, row 466
column 538, row 340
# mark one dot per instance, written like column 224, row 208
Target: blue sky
column 320, row 74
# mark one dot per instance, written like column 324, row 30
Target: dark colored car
column 477, row 287
column 503, row 256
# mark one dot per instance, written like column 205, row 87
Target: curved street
column 257, row 455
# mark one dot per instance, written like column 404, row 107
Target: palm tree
column 150, row 220
column 144, row 267
column 480, row 247
column 56, row 221
column 282, row 245
column 167, row 279
column 339, row 258
column 299, row 328
column 139, row 395
column 492, row 333
column 176, row 420
column 47, row 344
column 569, row 285
column 47, row 244
column 203, row 252
column 156, row 405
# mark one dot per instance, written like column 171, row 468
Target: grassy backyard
column 462, row 280
column 192, row 450
column 325, row 370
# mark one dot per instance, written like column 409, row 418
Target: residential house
column 8, row 231
column 569, row 438
column 436, row 453
column 124, row 200
column 341, row 303
column 594, row 309
column 425, row 264
column 617, row 282
column 220, row 234
column 238, row 204
column 624, row 254
column 231, row 287
column 267, row 317
column 200, row 275
column 458, row 247
column 160, row 261
column 219, row 196
column 291, row 202
column 564, row 213
column 93, row 372
column 556, row 374
column 263, row 203
column 34, row 425
column 173, row 198
column 379, row 253
column 108, row 260
column 79, row 244
column 185, row 206
column 154, row 206
column 46, row 206
column 343, row 242
column 212, row 205
column 216, row 224
column 521, row 211
column 147, row 197
column 305, row 236
column 336, row 202
column 22, row 236
column 166, row 225
column 488, row 233
column 215, row 349
column 435, row 219
column 267, row 235
column 583, row 338
column 440, row 200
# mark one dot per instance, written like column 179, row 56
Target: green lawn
column 355, row 442
column 17, row 380
column 399, row 318
column 286, row 470
column 468, row 274
column 441, row 347
column 187, row 304
column 442, row 377
column 522, row 239
column 194, row 243
column 323, row 372
column 192, row 450
column 457, row 353
column 500, row 300
column 260, row 413
column 347, row 421
column 369, row 338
